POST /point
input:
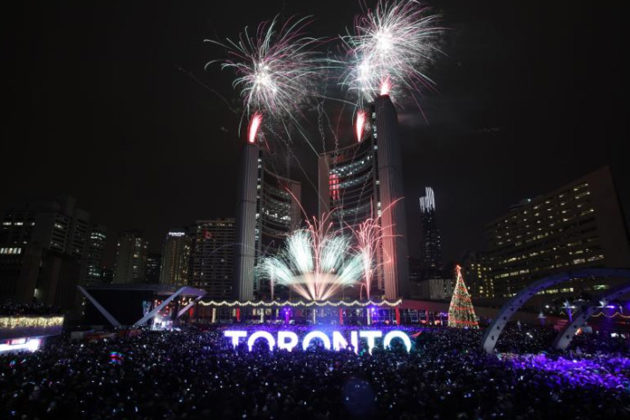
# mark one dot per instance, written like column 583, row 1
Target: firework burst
column 316, row 262
column 389, row 49
column 276, row 69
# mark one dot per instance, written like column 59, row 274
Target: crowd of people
column 196, row 373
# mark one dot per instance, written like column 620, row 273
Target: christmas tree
column 461, row 313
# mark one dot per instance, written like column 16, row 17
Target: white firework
column 316, row 262
column 276, row 69
column 389, row 49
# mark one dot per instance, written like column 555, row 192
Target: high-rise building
column 478, row 275
column 212, row 260
column 55, row 225
column 348, row 184
column 268, row 210
column 154, row 262
column 43, row 246
column 431, row 243
column 176, row 258
column 578, row 225
column 131, row 258
column 365, row 179
column 93, row 266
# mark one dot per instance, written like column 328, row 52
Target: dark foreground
column 196, row 374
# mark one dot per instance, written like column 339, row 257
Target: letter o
column 287, row 340
column 316, row 334
column 261, row 334
column 397, row 334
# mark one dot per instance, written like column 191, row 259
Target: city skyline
column 330, row 209
column 126, row 110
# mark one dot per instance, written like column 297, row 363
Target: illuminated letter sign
column 261, row 334
column 288, row 340
column 315, row 334
column 397, row 334
column 235, row 335
column 339, row 342
column 371, row 337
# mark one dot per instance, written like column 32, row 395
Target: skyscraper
column 212, row 260
column 43, row 246
column 365, row 179
column 175, row 258
column 131, row 258
column 478, row 275
column 268, row 209
column 431, row 244
column 154, row 262
column 578, row 225
column 93, row 267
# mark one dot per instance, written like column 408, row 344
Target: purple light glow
column 603, row 372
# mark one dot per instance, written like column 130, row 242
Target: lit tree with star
column 461, row 313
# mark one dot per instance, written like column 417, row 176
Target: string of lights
column 301, row 303
column 31, row 321
column 616, row 314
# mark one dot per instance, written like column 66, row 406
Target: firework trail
column 389, row 48
column 369, row 236
column 359, row 126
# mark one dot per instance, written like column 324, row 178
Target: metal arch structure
column 191, row 291
column 109, row 317
column 163, row 290
column 492, row 333
column 564, row 338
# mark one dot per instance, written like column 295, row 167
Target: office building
column 213, row 257
column 92, row 271
column 364, row 180
column 176, row 258
column 434, row 288
column 43, row 246
column 268, row 209
column 478, row 275
column 154, row 262
column 430, row 240
column 131, row 258
column 576, row 226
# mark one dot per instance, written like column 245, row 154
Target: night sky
column 109, row 102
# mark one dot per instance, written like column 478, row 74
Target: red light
column 386, row 86
column 360, row 124
column 333, row 183
column 253, row 127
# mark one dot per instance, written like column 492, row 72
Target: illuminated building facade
column 93, row 267
column 175, row 258
column 434, row 288
column 43, row 247
column 431, row 243
column 154, row 262
column 212, row 259
column 478, row 275
column 576, row 226
column 365, row 179
column 268, row 209
column 131, row 258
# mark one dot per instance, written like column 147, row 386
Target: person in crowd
column 196, row 373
